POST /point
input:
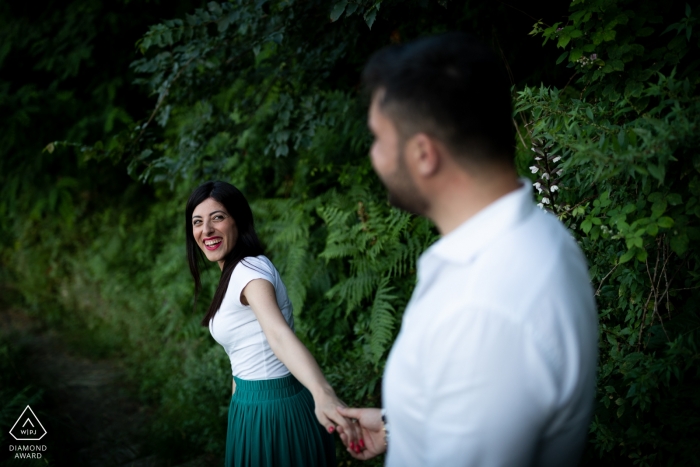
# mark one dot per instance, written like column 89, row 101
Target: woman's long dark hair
column 247, row 243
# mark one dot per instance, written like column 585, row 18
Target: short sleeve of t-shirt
column 248, row 269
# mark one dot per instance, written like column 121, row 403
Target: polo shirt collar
column 464, row 243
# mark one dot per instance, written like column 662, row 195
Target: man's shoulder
column 536, row 263
column 540, row 243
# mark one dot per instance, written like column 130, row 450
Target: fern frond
column 381, row 320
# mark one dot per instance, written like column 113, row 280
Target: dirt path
column 92, row 418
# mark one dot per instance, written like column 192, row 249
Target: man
column 495, row 361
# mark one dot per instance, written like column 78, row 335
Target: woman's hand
column 327, row 406
column 371, row 431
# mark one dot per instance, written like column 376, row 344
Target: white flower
column 556, row 159
column 538, row 186
column 540, row 205
column 545, row 175
column 538, row 158
column 532, row 149
column 559, row 172
column 534, row 169
column 545, row 200
column 553, row 188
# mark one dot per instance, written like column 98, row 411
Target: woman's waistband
column 266, row 389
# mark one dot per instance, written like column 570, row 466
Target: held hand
column 327, row 404
column 371, row 432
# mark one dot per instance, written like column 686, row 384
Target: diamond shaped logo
column 28, row 427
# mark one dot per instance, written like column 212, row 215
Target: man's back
column 500, row 339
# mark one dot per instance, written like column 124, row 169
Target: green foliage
column 616, row 158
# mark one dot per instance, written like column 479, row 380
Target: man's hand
column 371, row 429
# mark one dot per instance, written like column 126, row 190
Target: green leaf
column 627, row 256
column 654, row 197
column 652, row 229
column 679, row 244
column 665, row 222
column 215, row 8
column 642, row 255
column 575, row 55
column 658, row 208
column 616, row 65
column 674, row 199
column 370, row 16
column 609, row 35
column 338, row 10
column 586, row 225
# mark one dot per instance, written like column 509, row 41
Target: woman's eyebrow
column 213, row 212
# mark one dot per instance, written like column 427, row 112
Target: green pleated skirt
column 272, row 423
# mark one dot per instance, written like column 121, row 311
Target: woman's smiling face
column 214, row 230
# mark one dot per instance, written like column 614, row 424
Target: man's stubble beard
column 403, row 192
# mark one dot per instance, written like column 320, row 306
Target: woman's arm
column 260, row 295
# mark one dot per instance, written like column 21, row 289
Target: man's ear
column 424, row 154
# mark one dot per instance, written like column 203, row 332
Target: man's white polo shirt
column 495, row 363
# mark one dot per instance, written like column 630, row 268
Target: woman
column 277, row 384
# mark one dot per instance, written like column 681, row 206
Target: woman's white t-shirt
column 237, row 329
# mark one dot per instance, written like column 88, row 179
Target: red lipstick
column 213, row 243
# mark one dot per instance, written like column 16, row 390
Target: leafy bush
column 616, row 158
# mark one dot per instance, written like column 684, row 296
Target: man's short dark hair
column 451, row 87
